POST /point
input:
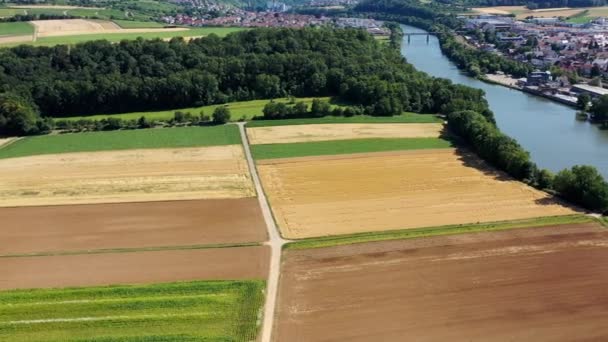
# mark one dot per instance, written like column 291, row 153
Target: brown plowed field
column 125, row 176
column 345, row 194
column 134, row 268
column 324, row 132
column 540, row 284
column 130, row 225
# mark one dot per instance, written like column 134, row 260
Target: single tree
column 221, row 115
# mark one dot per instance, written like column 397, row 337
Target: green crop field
column 16, row 29
column 129, row 24
column 405, row 118
column 188, row 311
column 123, row 140
column 238, row 110
column 319, row 148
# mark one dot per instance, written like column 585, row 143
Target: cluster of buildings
column 546, row 42
column 242, row 18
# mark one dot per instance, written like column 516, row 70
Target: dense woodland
column 100, row 77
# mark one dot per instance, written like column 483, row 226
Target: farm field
column 129, row 24
column 522, row 12
column 187, row 311
column 72, row 27
column 345, row 131
column 130, row 35
column 539, row 284
column 403, row 118
column 315, row 196
column 141, row 267
column 72, row 31
column 123, row 140
column 16, row 29
column 110, row 227
column 126, row 176
column 321, row 148
column 238, row 110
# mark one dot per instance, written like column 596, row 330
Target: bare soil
column 539, row 284
column 325, row 132
column 130, row 225
column 125, row 176
column 332, row 195
column 70, row 27
column 134, row 268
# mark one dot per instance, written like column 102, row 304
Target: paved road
column 275, row 242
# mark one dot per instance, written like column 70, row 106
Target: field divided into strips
column 539, row 284
column 73, row 31
column 238, row 110
column 188, row 311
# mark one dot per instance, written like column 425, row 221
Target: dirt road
column 275, row 242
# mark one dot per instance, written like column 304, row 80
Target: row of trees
column 582, row 185
column 319, row 108
column 221, row 115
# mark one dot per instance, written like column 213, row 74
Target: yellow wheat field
column 321, row 132
column 345, row 194
column 125, row 176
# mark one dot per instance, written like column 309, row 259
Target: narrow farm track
column 275, row 241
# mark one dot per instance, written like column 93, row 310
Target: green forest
column 143, row 75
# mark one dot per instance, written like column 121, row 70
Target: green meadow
column 320, row 148
column 238, row 110
column 123, row 140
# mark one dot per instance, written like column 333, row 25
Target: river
column 548, row 130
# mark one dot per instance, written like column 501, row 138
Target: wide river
column 548, row 130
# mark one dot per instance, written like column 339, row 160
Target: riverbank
column 546, row 128
column 512, row 83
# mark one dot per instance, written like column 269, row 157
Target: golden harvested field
column 70, row 27
column 125, row 176
column 522, row 12
column 539, row 284
column 134, row 268
column 332, row 195
column 324, row 132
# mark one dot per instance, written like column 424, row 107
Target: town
column 570, row 58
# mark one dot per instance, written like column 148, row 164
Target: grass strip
column 238, row 110
column 320, row 148
column 183, row 311
column 340, row 240
column 133, row 250
column 123, row 140
column 404, row 118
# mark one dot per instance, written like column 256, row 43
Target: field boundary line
column 275, row 241
column 133, row 250
column 406, row 234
